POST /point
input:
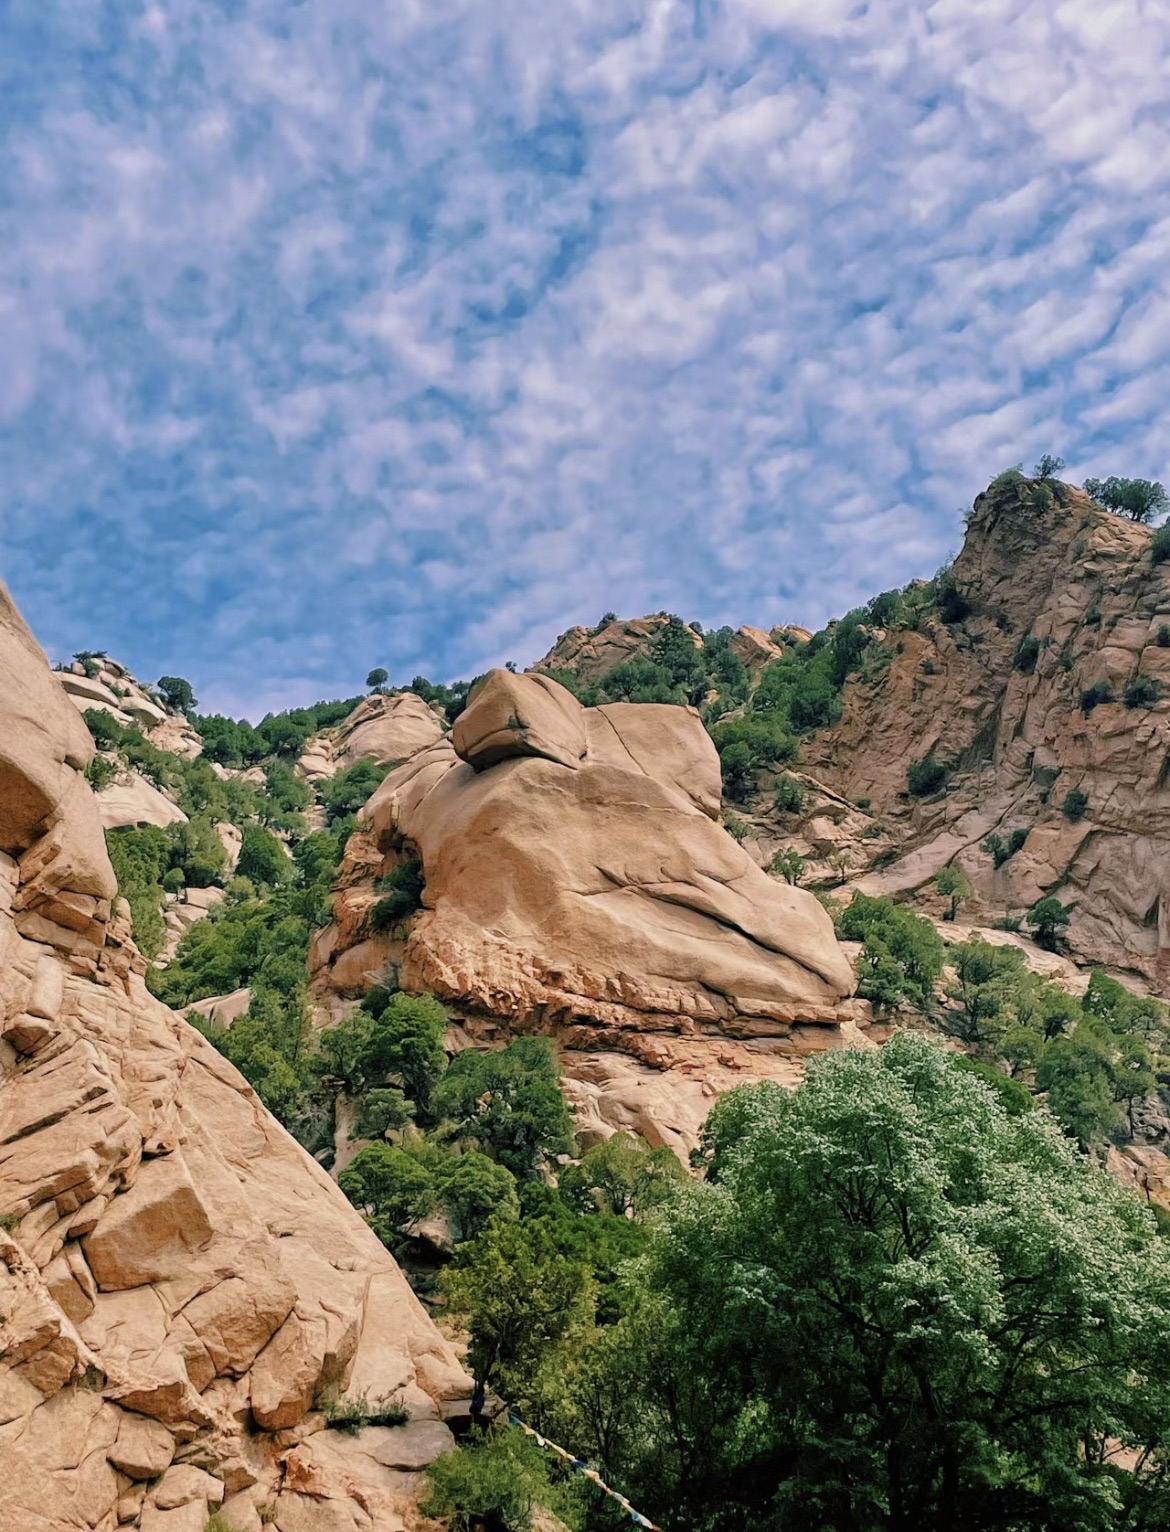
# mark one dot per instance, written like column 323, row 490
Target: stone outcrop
column 385, row 730
column 131, row 800
column 178, row 1279
column 579, row 881
column 108, row 686
column 1079, row 587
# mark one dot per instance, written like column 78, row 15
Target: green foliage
column 229, row 742
column 1000, row 848
column 390, row 1186
column 177, row 694
column 926, row 777
column 953, row 605
column 352, row 1414
column 1139, row 499
column 987, row 978
column 100, row 772
column 902, row 954
column 522, row 1299
column 788, row 796
column 622, row 1175
column 789, row 864
column 1026, row 655
column 952, row 884
column 1142, row 691
column 1160, row 545
column 855, row 1308
column 377, row 677
column 263, row 859
column 1163, row 638
column 197, row 852
column 508, row 1103
column 1075, row 805
column 1013, row 1097
column 1048, row 918
column 496, row 1482
column 390, row 1040
column 402, row 895
column 1048, row 467
column 346, row 794
column 737, row 828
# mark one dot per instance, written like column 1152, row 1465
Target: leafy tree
column 390, row 1187
column 1160, row 545
column 498, row 1481
column 390, row 1039
column 263, row 858
column 904, row 1307
column 402, row 894
column 177, row 694
column 981, row 996
column 1048, row 918
column 623, row 1175
column 197, row 852
column 1048, row 467
column 508, row 1102
column 349, row 791
column 953, row 885
column 789, row 864
column 521, row 1299
column 474, row 1189
column 788, row 797
column 902, row 954
column 376, row 678
column 1139, row 499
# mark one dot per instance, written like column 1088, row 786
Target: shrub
column 789, row 864
column 1160, row 545
column 1163, row 638
column 497, row 1482
column 354, row 1412
column 402, row 889
column 902, row 956
column 1027, row 654
column 100, row 772
column 737, row 828
column 788, row 797
column 1048, row 918
column 1142, row 691
column 926, row 777
column 1093, row 696
column 1000, row 847
column 1048, row 467
column 953, row 606
column 953, row 885
column 1139, row 499
column 508, row 1103
column 1075, row 805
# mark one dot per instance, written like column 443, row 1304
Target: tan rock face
column 1082, row 584
column 132, row 800
column 175, row 1249
column 578, row 880
column 592, row 653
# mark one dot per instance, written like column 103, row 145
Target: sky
column 412, row 332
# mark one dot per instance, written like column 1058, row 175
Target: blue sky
column 411, row 333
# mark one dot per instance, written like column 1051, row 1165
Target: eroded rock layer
column 578, row 880
column 179, row 1281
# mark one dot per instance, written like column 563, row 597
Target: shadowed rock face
column 578, row 879
column 182, row 1278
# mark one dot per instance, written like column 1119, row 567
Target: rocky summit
column 292, row 1012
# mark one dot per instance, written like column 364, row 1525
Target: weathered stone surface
column 168, row 1228
column 132, row 800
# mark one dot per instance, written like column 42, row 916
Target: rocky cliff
column 179, row 1281
column 579, row 882
column 1025, row 696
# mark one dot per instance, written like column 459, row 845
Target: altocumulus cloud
column 334, row 335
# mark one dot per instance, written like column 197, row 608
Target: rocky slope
column 178, row 1280
column 579, row 882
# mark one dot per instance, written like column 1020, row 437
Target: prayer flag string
column 589, row 1473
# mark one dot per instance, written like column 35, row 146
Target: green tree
column 177, row 694
column 1048, row 467
column 902, row 954
column 904, row 1307
column 1139, row 499
column 953, row 885
column 473, row 1189
column 377, row 678
column 508, row 1102
column 390, row 1187
column 986, row 978
column 1048, row 919
column 389, row 1039
column 623, row 1175
column 263, row 858
column 521, row 1300
column 789, row 864
column 498, row 1481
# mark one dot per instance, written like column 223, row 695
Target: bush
column 1139, row 499
column 1075, row 805
column 789, row 864
column 1160, row 545
column 499, row 1482
column 348, row 792
column 1163, row 638
column 403, row 888
column 1142, row 691
column 508, row 1103
column 902, row 955
column 1027, row 654
column 100, row 772
column 352, row 1414
column 1048, row 918
column 926, row 777
column 788, row 797
column 1093, row 696
column 953, row 606
column 1000, row 847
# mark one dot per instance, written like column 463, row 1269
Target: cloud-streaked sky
column 410, row 332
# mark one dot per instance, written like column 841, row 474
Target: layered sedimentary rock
column 178, row 1279
column 1062, row 599
column 578, row 881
